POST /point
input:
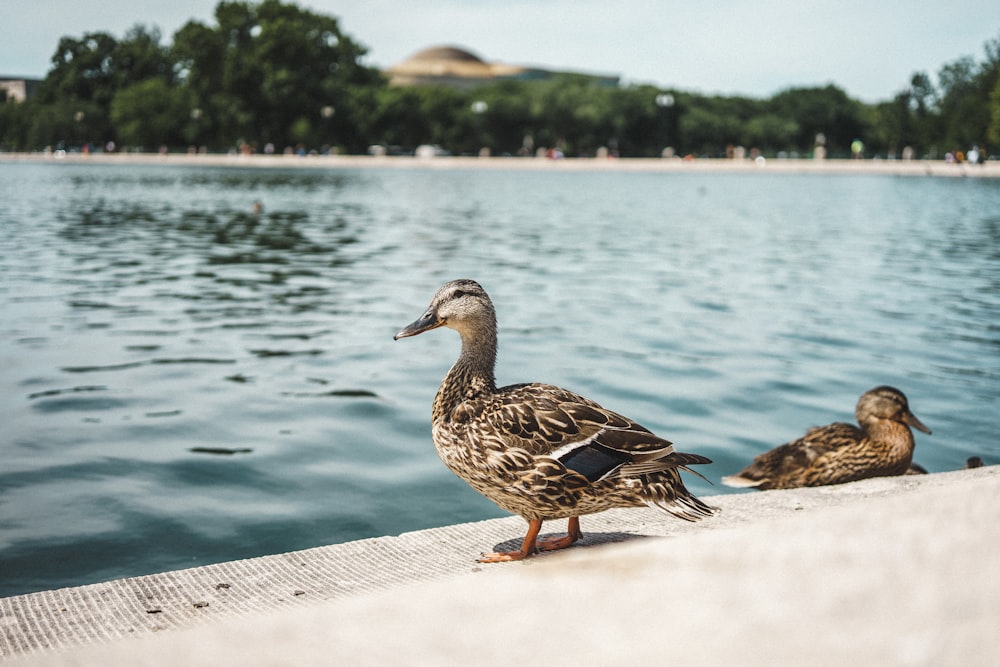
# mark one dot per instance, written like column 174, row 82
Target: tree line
column 272, row 75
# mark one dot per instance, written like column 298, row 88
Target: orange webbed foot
column 532, row 544
column 573, row 533
column 554, row 543
column 502, row 557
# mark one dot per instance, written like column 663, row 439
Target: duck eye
column 458, row 294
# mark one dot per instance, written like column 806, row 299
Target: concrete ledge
column 886, row 571
column 989, row 169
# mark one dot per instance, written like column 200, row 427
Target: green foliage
column 399, row 119
column 82, row 69
column 827, row 111
column 15, row 123
column 274, row 73
column 152, row 112
column 993, row 129
column 773, row 129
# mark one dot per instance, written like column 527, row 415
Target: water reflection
column 224, row 266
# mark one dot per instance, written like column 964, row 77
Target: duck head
column 887, row 403
column 462, row 305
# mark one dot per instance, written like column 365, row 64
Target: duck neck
column 897, row 436
column 471, row 376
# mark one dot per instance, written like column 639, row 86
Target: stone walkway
column 886, row 571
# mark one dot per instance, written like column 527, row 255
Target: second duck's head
column 886, row 403
column 462, row 305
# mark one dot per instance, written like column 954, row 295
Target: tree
column 639, row 125
column 706, row 130
column 275, row 73
column 826, row 110
column 893, row 123
column 966, row 103
column 399, row 119
column 197, row 54
column 139, row 56
column 962, row 110
column 992, row 71
column 773, row 131
column 15, row 121
column 153, row 113
column 81, row 70
column 993, row 129
column 78, row 91
column 86, row 75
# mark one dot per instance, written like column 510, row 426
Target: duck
column 539, row 451
column 880, row 446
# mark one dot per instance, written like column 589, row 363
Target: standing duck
column 840, row 452
column 536, row 450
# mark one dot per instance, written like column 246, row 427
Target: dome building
column 455, row 67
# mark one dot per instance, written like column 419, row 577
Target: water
column 187, row 383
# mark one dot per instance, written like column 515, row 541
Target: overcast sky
column 754, row 48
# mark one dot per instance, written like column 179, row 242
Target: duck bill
column 427, row 321
column 912, row 420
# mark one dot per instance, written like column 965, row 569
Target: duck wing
column 551, row 422
column 785, row 465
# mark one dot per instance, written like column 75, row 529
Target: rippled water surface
column 186, row 381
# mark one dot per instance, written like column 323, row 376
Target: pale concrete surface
column 891, row 571
column 989, row 169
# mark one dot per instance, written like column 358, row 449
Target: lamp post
column 78, row 118
column 196, row 114
column 327, row 112
column 665, row 101
column 479, row 107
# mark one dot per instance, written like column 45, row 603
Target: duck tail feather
column 689, row 508
column 696, row 473
column 740, row 482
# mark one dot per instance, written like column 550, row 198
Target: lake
column 188, row 380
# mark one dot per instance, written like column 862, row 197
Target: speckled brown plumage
column 537, row 450
column 838, row 453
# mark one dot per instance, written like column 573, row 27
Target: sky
column 753, row 48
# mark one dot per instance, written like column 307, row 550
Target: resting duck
column 536, row 450
column 840, row 452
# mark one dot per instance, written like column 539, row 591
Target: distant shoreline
column 700, row 165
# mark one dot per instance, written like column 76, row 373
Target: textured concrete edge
column 65, row 619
